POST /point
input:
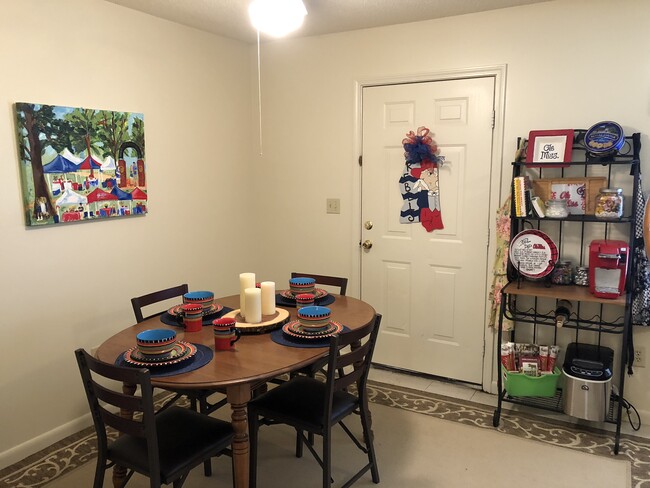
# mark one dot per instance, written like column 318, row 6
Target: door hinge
column 494, row 118
column 361, row 160
column 488, row 237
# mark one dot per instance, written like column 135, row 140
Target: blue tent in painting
column 120, row 194
column 123, row 195
column 60, row 165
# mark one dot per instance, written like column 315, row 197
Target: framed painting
column 549, row 148
column 80, row 164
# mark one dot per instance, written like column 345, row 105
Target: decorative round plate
column 294, row 329
column 533, row 253
column 181, row 352
column 177, row 311
column 318, row 293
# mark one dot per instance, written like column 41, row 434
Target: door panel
column 430, row 286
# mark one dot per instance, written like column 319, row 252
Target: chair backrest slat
column 354, row 356
column 121, row 424
column 158, row 296
column 117, row 399
column 336, row 281
column 342, row 382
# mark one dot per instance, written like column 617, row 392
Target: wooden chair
column 157, row 296
column 163, row 446
column 199, row 399
column 341, row 283
column 309, row 405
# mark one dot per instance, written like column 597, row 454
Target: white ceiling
column 229, row 18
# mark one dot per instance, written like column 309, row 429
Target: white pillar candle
column 253, row 305
column 268, row 297
column 246, row 280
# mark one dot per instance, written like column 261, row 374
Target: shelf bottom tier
column 554, row 404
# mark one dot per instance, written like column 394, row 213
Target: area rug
column 413, row 451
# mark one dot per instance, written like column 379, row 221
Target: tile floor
column 474, row 393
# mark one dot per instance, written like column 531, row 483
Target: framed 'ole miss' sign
column 80, row 164
column 549, row 148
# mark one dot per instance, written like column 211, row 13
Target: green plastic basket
column 521, row 385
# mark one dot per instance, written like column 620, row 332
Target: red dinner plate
column 533, row 253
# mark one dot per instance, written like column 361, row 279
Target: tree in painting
column 39, row 128
column 60, row 150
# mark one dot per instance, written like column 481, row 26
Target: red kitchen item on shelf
column 608, row 261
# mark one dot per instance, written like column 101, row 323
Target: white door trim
column 499, row 73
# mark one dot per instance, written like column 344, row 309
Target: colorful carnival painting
column 80, row 164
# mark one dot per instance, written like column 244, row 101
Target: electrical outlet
column 639, row 357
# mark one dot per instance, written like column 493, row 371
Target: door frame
column 499, row 73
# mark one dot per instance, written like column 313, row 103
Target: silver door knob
column 367, row 244
column 368, row 225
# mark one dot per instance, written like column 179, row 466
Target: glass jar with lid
column 609, row 203
column 562, row 273
column 581, row 276
column 557, row 209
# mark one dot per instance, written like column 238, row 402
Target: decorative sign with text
column 549, row 148
column 533, row 253
column 575, row 195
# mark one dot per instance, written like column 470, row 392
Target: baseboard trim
column 43, row 441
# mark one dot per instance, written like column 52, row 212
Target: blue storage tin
column 604, row 138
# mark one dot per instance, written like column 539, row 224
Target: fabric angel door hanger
column 419, row 183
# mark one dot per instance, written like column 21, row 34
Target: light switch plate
column 333, row 206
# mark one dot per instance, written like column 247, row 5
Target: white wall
column 570, row 64
column 69, row 286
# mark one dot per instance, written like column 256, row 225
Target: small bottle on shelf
column 562, row 312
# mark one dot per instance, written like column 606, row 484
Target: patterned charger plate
column 318, row 293
column 181, row 352
column 177, row 311
column 294, row 329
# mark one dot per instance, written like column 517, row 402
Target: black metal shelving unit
column 522, row 300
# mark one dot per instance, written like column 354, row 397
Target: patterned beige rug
column 76, row 451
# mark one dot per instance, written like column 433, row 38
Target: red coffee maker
column 608, row 267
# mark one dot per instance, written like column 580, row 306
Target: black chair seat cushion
column 300, row 402
column 183, row 436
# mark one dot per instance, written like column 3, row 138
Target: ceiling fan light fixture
column 277, row 18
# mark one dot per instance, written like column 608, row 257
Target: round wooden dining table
column 253, row 360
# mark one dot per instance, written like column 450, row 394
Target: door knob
column 368, row 225
column 367, row 244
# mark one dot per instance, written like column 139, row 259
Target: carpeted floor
column 440, row 454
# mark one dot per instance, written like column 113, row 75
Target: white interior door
column 429, row 286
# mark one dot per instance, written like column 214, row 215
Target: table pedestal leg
column 119, row 472
column 238, row 397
